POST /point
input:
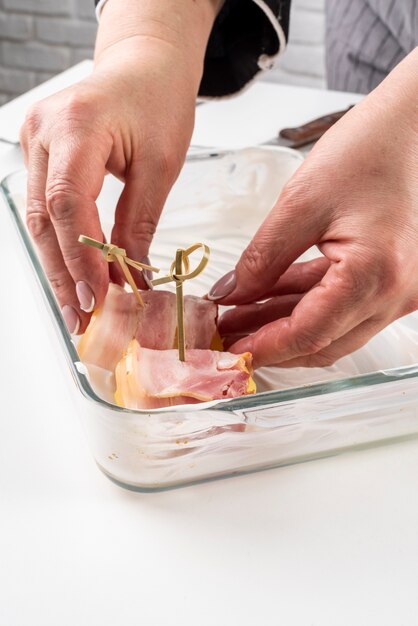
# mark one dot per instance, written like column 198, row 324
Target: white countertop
column 330, row 542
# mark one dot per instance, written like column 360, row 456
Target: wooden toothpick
column 114, row 253
column 179, row 272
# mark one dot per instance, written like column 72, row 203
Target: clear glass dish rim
column 264, row 399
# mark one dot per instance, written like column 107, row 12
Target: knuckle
column 253, row 260
column 33, row 120
column 305, row 343
column 73, row 255
column 139, row 227
column 143, row 228
column 370, row 276
column 349, row 278
column 38, row 223
column 355, row 283
column 59, row 283
column 77, row 106
column 59, row 200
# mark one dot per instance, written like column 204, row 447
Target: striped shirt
column 366, row 39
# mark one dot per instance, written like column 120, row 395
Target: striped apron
column 365, row 39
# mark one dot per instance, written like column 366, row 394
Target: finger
column 114, row 276
column 43, row 234
column 352, row 341
column 229, row 340
column 248, row 318
column 300, row 277
column 297, row 222
column 74, row 180
column 139, row 209
column 327, row 312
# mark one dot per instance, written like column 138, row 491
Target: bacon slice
column 121, row 319
column 111, row 328
column 156, row 378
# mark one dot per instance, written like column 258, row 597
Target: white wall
column 303, row 62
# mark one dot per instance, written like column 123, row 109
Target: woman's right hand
column 133, row 117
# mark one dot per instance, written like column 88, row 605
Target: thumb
column 294, row 224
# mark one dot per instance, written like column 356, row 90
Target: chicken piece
column 148, row 379
column 121, row 319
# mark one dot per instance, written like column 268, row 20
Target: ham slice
column 153, row 378
column 200, row 323
column 131, row 349
column 120, row 319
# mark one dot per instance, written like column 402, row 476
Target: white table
column 331, row 542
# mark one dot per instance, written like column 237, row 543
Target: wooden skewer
column 180, row 306
column 114, row 253
column 179, row 272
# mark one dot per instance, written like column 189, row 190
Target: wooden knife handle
column 302, row 135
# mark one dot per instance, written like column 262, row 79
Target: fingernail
column 224, row 286
column 85, row 296
column 147, row 274
column 71, row 318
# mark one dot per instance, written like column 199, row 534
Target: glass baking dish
column 297, row 414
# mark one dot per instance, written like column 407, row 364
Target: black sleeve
column 245, row 39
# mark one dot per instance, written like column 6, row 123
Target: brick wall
column 39, row 38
